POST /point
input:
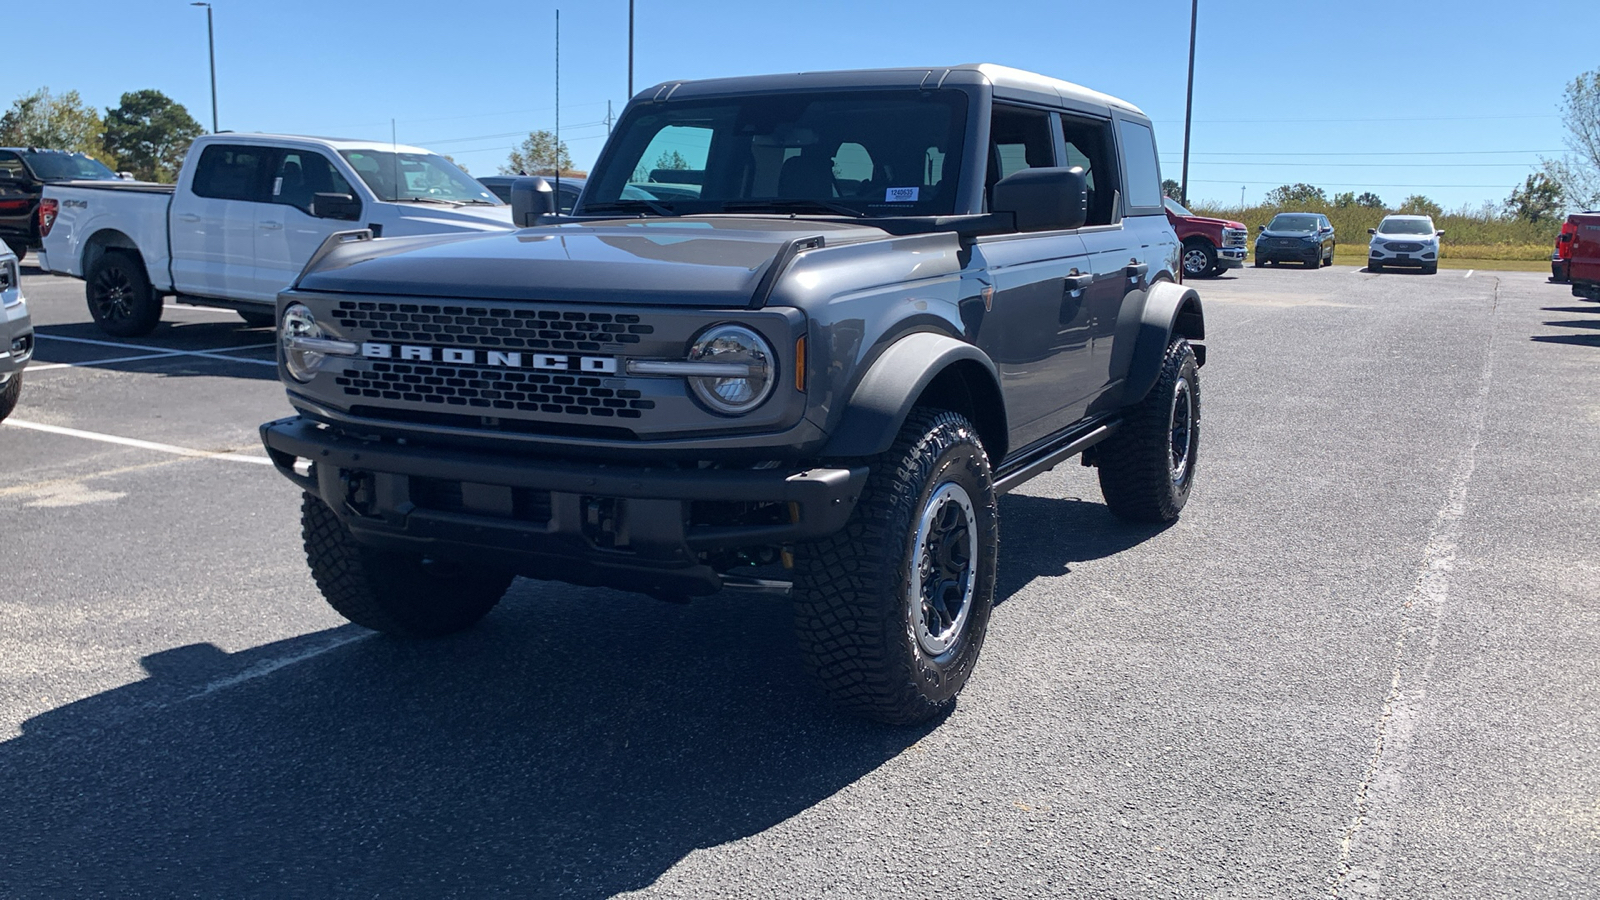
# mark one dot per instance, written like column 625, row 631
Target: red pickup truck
column 1583, row 253
column 1209, row 245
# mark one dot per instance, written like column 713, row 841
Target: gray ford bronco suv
column 797, row 335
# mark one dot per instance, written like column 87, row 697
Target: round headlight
column 734, row 345
column 298, row 322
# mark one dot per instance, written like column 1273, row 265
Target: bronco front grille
column 576, row 395
column 533, row 329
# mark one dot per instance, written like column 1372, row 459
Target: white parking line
column 202, row 309
column 229, row 455
column 1469, row 273
column 100, row 362
column 161, row 351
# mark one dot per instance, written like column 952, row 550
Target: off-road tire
column 258, row 319
column 855, row 617
column 9, row 392
column 401, row 594
column 1138, row 462
column 1202, row 250
column 120, row 297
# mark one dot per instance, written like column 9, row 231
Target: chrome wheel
column 1195, row 261
column 942, row 580
column 1181, row 429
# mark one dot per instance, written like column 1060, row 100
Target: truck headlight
column 299, row 323
column 743, row 350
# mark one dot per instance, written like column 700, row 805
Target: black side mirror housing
column 335, row 206
column 530, row 199
column 1045, row 199
column 1439, row 233
column 1372, row 231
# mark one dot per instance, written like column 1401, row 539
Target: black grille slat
column 505, row 389
column 438, row 324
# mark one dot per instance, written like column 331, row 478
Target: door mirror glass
column 335, row 206
column 1044, row 199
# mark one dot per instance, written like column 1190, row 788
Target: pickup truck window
column 416, row 177
column 858, row 153
column 1144, row 174
column 62, row 166
column 11, row 167
column 233, row 172
column 302, row 174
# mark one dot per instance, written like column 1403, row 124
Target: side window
column 11, row 167
column 1088, row 145
column 301, row 175
column 1018, row 139
column 1139, row 154
column 233, row 173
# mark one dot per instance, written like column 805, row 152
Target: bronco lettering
column 510, row 359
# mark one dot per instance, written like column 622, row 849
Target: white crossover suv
column 1409, row 241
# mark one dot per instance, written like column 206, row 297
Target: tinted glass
column 11, row 166
column 1139, row 155
column 233, row 173
column 1018, row 139
column 1406, row 226
column 1089, row 147
column 417, row 176
column 875, row 153
column 65, row 166
column 1296, row 222
column 303, row 174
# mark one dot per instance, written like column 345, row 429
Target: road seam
column 1369, row 837
column 230, row 455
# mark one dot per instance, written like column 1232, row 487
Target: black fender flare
column 1169, row 310
column 891, row 387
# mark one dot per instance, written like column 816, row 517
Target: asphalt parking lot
column 1363, row 663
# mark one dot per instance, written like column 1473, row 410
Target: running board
column 1052, row 458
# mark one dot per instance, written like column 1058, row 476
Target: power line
column 1366, row 153
column 1388, row 119
column 1487, row 187
column 1323, row 165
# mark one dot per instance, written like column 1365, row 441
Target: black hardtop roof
column 1006, row 82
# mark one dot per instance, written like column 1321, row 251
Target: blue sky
column 1457, row 104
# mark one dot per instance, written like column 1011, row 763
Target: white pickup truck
column 247, row 213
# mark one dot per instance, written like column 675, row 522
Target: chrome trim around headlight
column 321, row 345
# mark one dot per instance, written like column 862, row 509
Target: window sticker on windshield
column 900, row 195
column 277, row 186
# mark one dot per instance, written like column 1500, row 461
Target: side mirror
column 1372, row 231
column 1439, row 233
column 1261, row 228
column 335, row 206
column 530, row 199
column 1047, row 199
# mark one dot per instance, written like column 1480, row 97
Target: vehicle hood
column 710, row 261
column 1288, row 234
column 1426, row 238
column 1207, row 220
column 432, row 218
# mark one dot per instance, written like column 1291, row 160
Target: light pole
column 211, row 44
column 630, row 49
column 1188, row 104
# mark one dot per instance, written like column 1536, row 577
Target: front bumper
column 636, row 528
column 1230, row 257
column 1424, row 256
column 16, row 338
column 1302, row 253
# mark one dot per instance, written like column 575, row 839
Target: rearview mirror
column 1045, row 199
column 335, row 206
column 531, row 198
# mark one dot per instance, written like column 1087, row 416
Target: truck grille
column 533, row 329
column 1234, row 237
column 574, row 395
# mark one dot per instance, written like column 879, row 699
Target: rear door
column 286, row 231
column 213, row 222
column 1585, row 264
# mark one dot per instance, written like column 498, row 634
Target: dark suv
column 1305, row 238
column 861, row 306
column 24, row 171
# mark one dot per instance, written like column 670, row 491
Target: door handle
column 1137, row 269
column 188, row 217
column 1075, row 283
column 271, row 226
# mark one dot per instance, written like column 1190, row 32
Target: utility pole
column 211, row 43
column 1188, row 105
column 630, row 49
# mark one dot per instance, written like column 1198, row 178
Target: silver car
column 16, row 332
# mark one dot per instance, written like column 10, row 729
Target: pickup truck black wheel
column 9, row 392
column 892, row 611
column 1147, row 467
column 120, row 297
column 406, row 595
column 1199, row 259
column 258, row 319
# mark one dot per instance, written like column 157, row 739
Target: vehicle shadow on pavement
column 1044, row 536
column 1579, row 340
column 233, row 350
column 1572, row 309
column 577, row 743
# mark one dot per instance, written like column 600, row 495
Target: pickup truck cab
column 24, row 171
column 247, row 212
column 805, row 362
column 1210, row 246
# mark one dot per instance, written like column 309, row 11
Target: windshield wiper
column 425, row 200
column 790, row 206
column 632, row 204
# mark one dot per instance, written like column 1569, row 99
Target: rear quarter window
column 1142, row 171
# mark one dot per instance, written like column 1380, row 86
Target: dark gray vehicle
column 16, row 333
column 1305, row 238
column 798, row 335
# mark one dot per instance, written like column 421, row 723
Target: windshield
column 859, row 153
column 1293, row 222
column 66, row 166
column 1175, row 208
column 416, row 176
column 1406, row 226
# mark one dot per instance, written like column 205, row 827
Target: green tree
column 55, row 122
column 671, row 159
column 1537, row 200
column 147, row 134
column 1578, row 172
column 1418, row 205
column 540, row 154
column 1370, row 200
column 1171, row 188
column 1296, row 195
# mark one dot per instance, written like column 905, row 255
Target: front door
column 286, row 231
